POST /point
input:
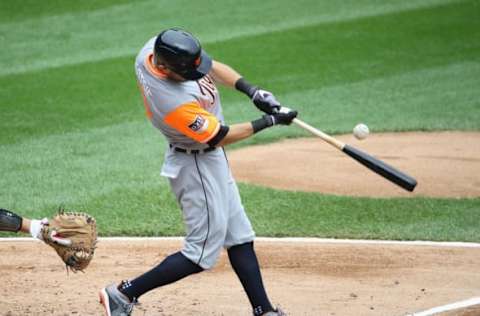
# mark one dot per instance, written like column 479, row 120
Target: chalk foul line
column 447, row 244
column 449, row 307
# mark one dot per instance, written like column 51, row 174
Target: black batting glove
column 264, row 100
column 284, row 116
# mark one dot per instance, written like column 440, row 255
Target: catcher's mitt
column 73, row 235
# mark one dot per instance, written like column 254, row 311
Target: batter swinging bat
column 401, row 179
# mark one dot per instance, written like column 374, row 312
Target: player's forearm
column 224, row 74
column 12, row 222
column 25, row 228
column 237, row 132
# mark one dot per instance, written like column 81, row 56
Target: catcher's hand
column 73, row 235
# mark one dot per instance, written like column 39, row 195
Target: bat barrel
column 376, row 165
column 401, row 179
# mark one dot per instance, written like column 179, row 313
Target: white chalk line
column 446, row 244
column 445, row 308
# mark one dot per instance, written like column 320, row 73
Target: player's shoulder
column 165, row 95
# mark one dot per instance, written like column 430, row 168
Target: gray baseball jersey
column 189, row 114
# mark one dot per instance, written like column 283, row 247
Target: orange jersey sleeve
column 193, row 121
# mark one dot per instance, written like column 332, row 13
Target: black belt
column 192, row 151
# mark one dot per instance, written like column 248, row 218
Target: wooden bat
column 376, row 165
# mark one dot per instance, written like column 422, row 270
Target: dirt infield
column 304, row 278
column 445, row 164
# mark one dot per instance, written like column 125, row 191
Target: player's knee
column 205, row 257
column 204, row 252
column 211, row 253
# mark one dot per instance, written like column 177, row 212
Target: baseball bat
column 376, row 165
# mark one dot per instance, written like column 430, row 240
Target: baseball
column 361, row 131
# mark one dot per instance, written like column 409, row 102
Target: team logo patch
column 199, row 125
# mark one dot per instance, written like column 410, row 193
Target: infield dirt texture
column 73, row 132
column 304, row 278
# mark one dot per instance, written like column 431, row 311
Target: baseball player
column 178, row 82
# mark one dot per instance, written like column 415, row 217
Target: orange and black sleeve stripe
column 195, row 122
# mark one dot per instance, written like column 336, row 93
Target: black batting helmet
column 181, row 52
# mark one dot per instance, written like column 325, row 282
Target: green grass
column 99, row 30
column 278, row 213
column 28, row 9
column 73, row 129
column 354, row 67
column 307, row 214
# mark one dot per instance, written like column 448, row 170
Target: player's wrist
column 36, row 228
column 262, row 123
column 243, row 86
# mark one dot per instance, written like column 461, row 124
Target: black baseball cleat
column 115, row 303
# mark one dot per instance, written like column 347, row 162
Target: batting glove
column 284, row 116
column 265, row 101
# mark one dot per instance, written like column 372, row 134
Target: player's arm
column 227, row 76
column 193, row 121
column 11, row 222
column 224, row 74
column 238, row 132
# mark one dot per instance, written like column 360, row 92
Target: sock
column 173, row 268
column 245, row 264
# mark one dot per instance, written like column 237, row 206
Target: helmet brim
column 202, row 69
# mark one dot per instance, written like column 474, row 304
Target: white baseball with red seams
column 361, row 131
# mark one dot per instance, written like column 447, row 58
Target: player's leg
column 194, row 186
column 119, row 299
column 173, row 268
column 205, row 212
column 245, row 264
column 242, row 256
